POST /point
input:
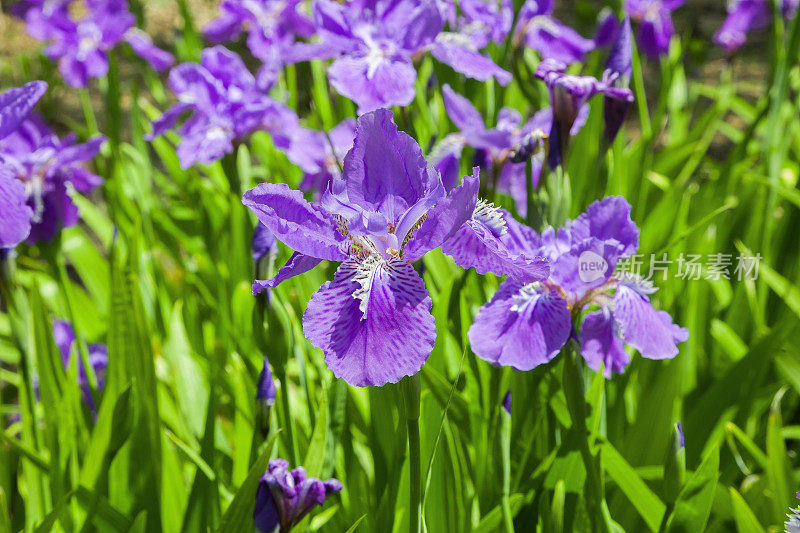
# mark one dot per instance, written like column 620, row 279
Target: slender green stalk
column 411, row 393
column 639, row 93
column 505, row 449
column 531, row 218
column 278, row 352
column 576, row 403
column 88, row 111
column 231, row 170
column 665, row 519
column 321, row 96
column 56, row 260
column 31, row 431
column 287, row 415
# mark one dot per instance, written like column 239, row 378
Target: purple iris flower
column 285, row 496
column 618, row 74
column 263, row 244
column 265, row 391
column 376, row 41
column 272, row 28
column 607, row 27
column 264, row 248
column 15, row 215
column 507, row 402
column 745, row 16
column 141, row 43
column 484, row 21
column 537, row 29
column 47, row 169
column 497, row 144
column 384, row 213
column 43, row 18
column 17, row 103
column 568, row 94
column 792, row 525
column 225, row 106
column 265, row 398
column 655, row 23
column 486, row 242
column 527, row 324
column 79, row 42
column 319, row 157
column 64, row 336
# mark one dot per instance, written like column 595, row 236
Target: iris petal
column 297, row 223
column 650, row 331
column 372, row 321
column 599, row 344
column 296, row 265
column 522, row 327
column 15, row 215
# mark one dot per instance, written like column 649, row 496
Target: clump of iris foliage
column 319, row 266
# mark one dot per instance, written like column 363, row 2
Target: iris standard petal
column 608, row 219
column 333, row 24
column 225, row 27
column 372, row 321
column 194, row 85
column 420, row 25
column 444, row 219
column 385, row 172
column 227, row 67
column 588, row 264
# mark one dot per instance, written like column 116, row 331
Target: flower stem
column 88, row 111
column 231, row 170
column 576, row 403
column 505, row 445
column 18, row 316
column 287, row 415
column 56, row 260
column 411, row 393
